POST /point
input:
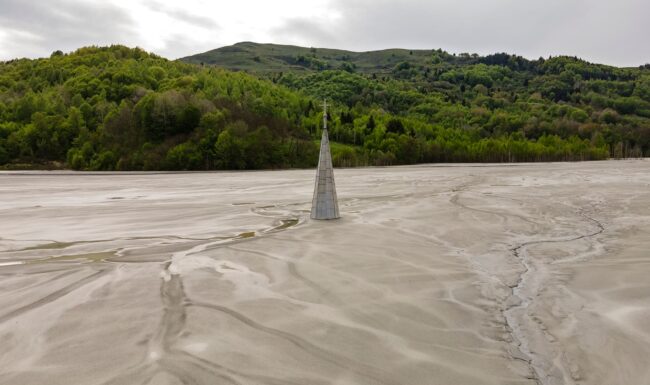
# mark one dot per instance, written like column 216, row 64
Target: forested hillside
column 123, row 109
column 116, row 108
column 485, row 96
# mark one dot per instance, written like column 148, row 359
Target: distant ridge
column 269, row 58
column 255, row 57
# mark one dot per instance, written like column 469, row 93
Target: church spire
column 325, row 205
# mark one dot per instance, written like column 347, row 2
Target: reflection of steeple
column 325, row 204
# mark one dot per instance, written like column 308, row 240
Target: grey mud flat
column 435, row 274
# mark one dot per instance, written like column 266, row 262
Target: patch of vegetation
column 482, row 97
column 116, row 108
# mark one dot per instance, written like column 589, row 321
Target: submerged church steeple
column 325, row 204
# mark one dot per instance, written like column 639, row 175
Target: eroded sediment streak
column 162, row 356
column 541, row 361
column 52, row 296
column 519, row 322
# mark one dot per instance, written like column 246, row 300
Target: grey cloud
column 38, row 28
column 178, row 46
column 305, row 30
column 183, row 15
column 598, row 30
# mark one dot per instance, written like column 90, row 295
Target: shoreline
column 68, row 171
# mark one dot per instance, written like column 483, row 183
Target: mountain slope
column 489, row 96
column 268, row 58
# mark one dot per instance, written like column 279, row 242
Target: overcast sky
column 614, row 32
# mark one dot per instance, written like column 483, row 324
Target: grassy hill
column 270, row 58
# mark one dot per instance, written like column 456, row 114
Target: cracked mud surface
column 463, row 274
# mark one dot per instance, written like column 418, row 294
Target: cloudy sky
column 614, row 32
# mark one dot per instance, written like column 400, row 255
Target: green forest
column 254, row 106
